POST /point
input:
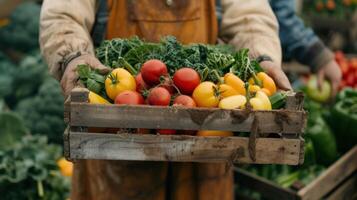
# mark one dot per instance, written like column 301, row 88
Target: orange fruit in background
column 330, row 5
column 347, row 2
column 214, row 133
column 65, row 167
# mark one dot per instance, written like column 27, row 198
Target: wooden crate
column 288, row 123
column 338, row 182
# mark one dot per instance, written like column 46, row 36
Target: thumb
column 320, row 79
column 96, row 64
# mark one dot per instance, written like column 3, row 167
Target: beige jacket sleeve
column 65, row 27
column 251, row 24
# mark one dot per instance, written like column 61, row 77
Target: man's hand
column 277, row 74
column 70, row 76
column 331, row 71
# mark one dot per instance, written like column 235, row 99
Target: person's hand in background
column 331, row 71
column 276, row 73
column 70, row 77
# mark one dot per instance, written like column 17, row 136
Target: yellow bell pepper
column 253, row 89
column 214, row 133
column 235, row 82
column 96, row 99
column 227, row 90
column 260, row 101
column 266, row 83
column 233, row 102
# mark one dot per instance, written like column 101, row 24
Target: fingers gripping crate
column 288, row 124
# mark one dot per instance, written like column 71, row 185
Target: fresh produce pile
column 338, row 8
column 348, row 67
column 172, row 74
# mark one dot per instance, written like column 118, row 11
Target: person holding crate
column 69, row 30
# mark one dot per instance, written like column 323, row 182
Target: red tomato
column 166, row 132
column 184, row 100
column 129, row 97
column 159, row 96
column 186, row 80
column 350, row 80
column 140, row 83
column 339, row 56
column 353, row 63
column 344, row 68
column 152, row 70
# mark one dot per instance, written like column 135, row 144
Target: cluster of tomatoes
column 348, row 68
column 154, row 86
column 330, row 5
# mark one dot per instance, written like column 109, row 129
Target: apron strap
column 100, row 24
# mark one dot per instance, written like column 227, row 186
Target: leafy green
column 28, row 170
column 26, row 78
column 210, row 61
column 12, row 128
column 21, row 34
column 43, row 113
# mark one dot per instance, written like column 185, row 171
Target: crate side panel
column 281, row 121
column 182, row 148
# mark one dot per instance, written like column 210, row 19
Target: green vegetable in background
column 315, row 93
column 323, row 140
column 21, row 34
column 343, row 119
column 26, row 78
column 28, row 170
column 7, row 69
column 43, row 113
column 12, row 128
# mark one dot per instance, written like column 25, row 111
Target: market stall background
column 31, row 108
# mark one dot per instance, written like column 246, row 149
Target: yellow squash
column 235, row 82
column 266, row 83
column 233, row 102
column 260, row 101
column 226, row 90
column 96, row 99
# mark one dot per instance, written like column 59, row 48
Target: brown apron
column 191, row 21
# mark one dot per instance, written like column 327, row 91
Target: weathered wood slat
column 334, row 183
column 157, row 117
column 330, row 178
column 294, row 101
column 269, row 189
column 347, row 190
column 181, row 148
